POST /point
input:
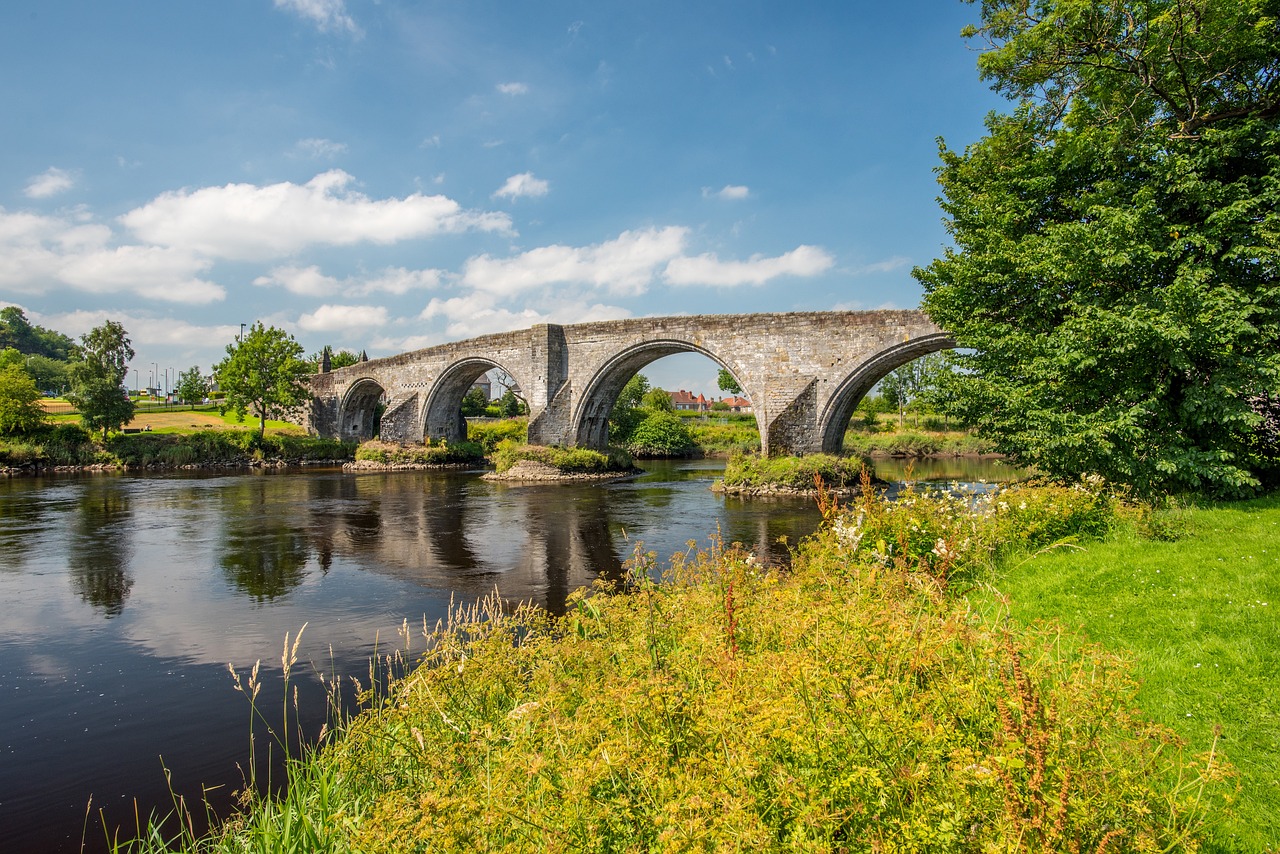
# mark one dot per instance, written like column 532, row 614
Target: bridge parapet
column 803, row 371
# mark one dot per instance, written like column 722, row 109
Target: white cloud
column 397, row 281
column 337, row 318
column 248, row 222
column 320, row 149
column 325, row 14
column 49, row 183
column 39, row 253
column 731, row 192
column 888, row 265
column 710, row 270
column 477, row 314
column 513, row 88
column 523, row 184
column 626, row 265
column 303, row 281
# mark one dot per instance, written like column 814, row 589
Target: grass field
column 185, row 420
column 1198, row 618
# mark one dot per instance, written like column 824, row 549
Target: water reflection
column 264, row 551
column 99, row 555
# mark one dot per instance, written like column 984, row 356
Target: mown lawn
column 1199, row 618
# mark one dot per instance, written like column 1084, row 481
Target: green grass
column 1200, row 619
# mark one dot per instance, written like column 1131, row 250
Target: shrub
column 661, row 434
column 570, row 460
column 438, row 454
column 794, row 472
column 489, row 434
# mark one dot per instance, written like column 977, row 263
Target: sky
column 385, row 175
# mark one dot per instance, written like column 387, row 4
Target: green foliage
column 50, row 375
column 795, row 473
column 474, row 403
column 568, row 460
column 191, row 386
column 910, row 443
column 20, row 410
column 1116, row 242
column 657, row 400
column 264, row 374
column 731, row 436
column 443, row 453
column 489, row 434
column 510, row 406
column 214, row 447
column 626, row 413
column 661, row 434
column 97, row 379
column 17, row 332
column 727, row 382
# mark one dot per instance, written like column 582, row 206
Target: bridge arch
column 590, row 423
column 358, row 409
column 834, row 419
column 442, row 413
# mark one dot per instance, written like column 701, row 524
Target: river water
column 125, row 597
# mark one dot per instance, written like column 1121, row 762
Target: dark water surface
column 125, row 597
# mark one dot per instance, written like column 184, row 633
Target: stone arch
column 358, row 410
column 590, row 424
column 442, row 414
column 839, row 409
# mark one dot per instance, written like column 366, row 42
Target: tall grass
column 855, row 702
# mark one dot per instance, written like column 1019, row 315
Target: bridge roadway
column 804, row 372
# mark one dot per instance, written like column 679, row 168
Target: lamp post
column 135, row 381
column 241, row 338
column 155, row 372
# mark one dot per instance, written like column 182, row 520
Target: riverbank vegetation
column 754, row 474
column 429, row 454
column 857, row 701
column 568, row 460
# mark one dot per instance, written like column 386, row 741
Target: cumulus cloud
column 49, row 183
column 478, row 314
column 397, row 281
column 708, row 269
column 625, row 265
column 320, row 149
column 513, row 88
column 336, row 318
column 249, row 222
column 39, row 253
column 327, row 15
column 730, row 192
column 303, row 281
column 523, row 184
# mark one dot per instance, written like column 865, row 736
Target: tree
column 50, row 375
column 263, row 373
column 191, row 387
column 1116, row 240
column 510, row 405
column 19, row 333
column 626, row 412
column 340, row 359
column 474, row 402
column 728, row 383
column 97, row 379
column 657, row 400
column 661, row 434
column 20, row 410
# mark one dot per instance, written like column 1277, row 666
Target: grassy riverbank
column 1197, row 617
column 856, row 702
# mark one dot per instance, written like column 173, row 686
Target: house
column 737, row 404
column 684, row 400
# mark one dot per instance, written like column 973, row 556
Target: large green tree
column 20, row 410
column 97, row 378
column 1116, row 238
column 263, row 373
column 191, row 386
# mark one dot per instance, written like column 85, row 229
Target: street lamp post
column 155, row 372
column 241, row 338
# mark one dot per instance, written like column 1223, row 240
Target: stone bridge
column 804, row 372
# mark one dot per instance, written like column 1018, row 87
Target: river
column 126, row 596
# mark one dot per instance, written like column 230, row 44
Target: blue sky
column 392, row 174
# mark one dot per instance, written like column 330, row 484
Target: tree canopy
column 20, row 410
column 97, row 378
column 263, row 373
column 32, row 340
column 191, row 386
column 1116, row 239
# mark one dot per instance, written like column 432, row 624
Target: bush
column 742, row 437
column 439, row 454
column 569, row 460
column 747, row 470
column 488, row 434
column 661, row 434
